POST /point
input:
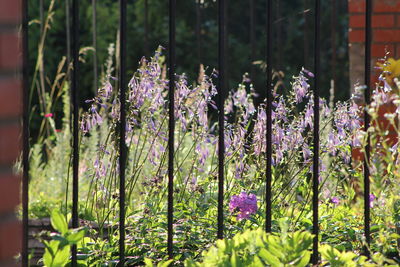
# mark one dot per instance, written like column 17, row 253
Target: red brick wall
column 10, row 130
column 385, row 37
column 385, row 33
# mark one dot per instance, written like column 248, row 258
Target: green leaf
column 61, row 257
column 148, row 262
column 257, row 262
column 304, row 260
column 48, row 257
column 58, row 222
column 75, row 237
column 164, row 263
column 269, row 258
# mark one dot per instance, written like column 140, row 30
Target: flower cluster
column 245, row 204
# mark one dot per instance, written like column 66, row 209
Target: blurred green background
column 197, row 39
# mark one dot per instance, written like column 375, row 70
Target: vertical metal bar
column 268, row 191
column 305, row 33
column 222, row 42
column 41, row 57
column 146, row 28
column 68, row 32
column 198, row 30
column 333, row 43
column 368, row 38
column 122, row 129
column 171, row 124
column 279, row 35
column 315, row 180
column 252, row 41
column 25, row 135
column 94, row 32
column 74, row 95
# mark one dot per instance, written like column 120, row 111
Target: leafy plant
column 335, row 258
column 256, row 248
column 58, row 250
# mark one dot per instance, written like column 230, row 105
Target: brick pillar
column 386, row 34
column 10, row 130
column 385, row 37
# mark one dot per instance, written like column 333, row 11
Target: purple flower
column 309, row 73
column 300, row 87
column 306, row 153
column 245, row 204
column 309, row 116
column 333, row 143
column 203, row 153
column 371, row 200
column 334, row 200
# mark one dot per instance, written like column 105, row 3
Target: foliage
column 196, row 168
column 256, row 248
column 58, row 250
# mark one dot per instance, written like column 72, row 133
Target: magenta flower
column 48, row 115
column 245, row 204
column 334, row 200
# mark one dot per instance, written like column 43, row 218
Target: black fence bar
column 368, row 35
column 252, row 40
column 94, row 43
column 25, row 136
column 75, row 104
column 41, row 70
column 122, row 129
column 333, row 43
column 146, row 28
column 68, row 32
column 222, row 42
column 198, row 30
column 171, row 124
column 268, row 191
column 305, row 34
column 315, row 181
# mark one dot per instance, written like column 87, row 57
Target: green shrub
column 257, row 248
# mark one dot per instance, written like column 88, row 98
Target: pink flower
column 245, row 204
column 48, row 115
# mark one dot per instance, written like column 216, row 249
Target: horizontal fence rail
column 73, row 46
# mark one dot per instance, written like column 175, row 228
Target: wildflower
column 371, row 200
column 308, row 116
column 334, row 200
column 96, row 118
column 245, row 204
column 333, row 143
column 309, row 73
column 306, row 153
column 203, row 153
column 300, row 87
column 106, row 91
column 391, row 69
column 48, row 115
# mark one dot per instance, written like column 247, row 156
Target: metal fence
column 73, row 46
